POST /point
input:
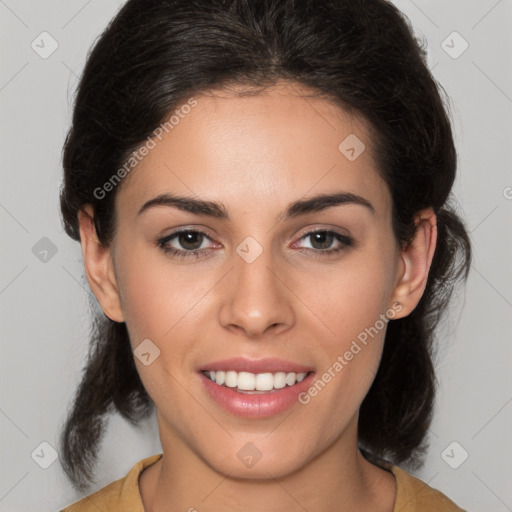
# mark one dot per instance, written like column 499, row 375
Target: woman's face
column 255, row 291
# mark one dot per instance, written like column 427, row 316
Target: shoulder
column 414, row 495
column 120, row 495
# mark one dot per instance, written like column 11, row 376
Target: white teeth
column 279, row 380
column 264, row 382
column 291, row 378
column 231, row 379
column 246, row 381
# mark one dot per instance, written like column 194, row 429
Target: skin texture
column 256, row 154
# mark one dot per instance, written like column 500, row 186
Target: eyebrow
column 295, row 209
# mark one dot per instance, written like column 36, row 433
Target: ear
column 99, row 267
column 415, row 263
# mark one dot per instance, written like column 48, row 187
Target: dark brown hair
column 363, row 56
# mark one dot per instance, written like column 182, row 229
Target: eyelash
column 345, row 240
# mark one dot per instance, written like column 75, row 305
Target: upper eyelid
column 185, row 230
column 174, row 234
column 349, row 239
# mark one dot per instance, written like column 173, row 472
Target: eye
column 322, row 241
column 190, row 243
column 190, row 240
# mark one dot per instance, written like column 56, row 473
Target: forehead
column 258, row 146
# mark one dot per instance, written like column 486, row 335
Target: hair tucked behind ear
column 361, row 55
column 402, row 394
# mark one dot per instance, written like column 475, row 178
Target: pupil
column 187, row 239
column 324, row 238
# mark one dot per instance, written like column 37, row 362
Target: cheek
column 353, row 305
column 161, row 302
column 352, row 298
column 156, row 294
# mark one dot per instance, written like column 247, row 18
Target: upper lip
column 265, row 365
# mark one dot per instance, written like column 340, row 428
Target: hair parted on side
column 360, row 54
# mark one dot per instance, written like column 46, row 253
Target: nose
column 256, row 298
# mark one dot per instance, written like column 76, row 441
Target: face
column 257, row 286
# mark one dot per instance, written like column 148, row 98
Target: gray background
column 44, row 297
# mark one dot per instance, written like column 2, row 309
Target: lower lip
column 258, row 405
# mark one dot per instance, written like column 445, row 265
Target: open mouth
column 255, row 383
column 255, row 388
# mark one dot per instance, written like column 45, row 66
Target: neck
column 339, row 478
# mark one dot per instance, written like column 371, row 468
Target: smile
column 255, row 388
column 252, row 383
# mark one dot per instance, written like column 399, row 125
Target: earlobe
column 416, row 260
column 99, row 266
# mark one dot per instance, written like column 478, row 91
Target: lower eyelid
column 173, row 236
column 343, row 239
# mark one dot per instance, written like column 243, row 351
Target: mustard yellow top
column 123, row 495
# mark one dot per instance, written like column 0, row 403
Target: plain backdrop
column 44, row 297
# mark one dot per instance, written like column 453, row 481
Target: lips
column 261, row 403
column 267, row 365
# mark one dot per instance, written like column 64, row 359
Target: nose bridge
column 256, row 299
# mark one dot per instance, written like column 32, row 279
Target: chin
column 245, row 459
